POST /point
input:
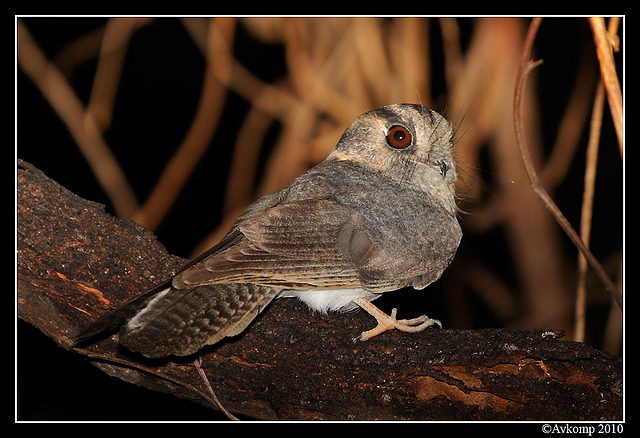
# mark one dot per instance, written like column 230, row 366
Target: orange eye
column 399, row 137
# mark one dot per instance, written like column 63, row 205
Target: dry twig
column 525, row 67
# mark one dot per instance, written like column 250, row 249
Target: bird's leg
column 388, row 322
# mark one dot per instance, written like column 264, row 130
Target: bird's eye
column 399, row 137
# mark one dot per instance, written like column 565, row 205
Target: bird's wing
column 296, row 245
column 310, row 243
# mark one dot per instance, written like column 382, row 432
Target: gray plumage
column 378, row 214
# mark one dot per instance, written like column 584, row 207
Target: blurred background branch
column 181, row 123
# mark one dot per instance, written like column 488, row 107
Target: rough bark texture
column 75, row 262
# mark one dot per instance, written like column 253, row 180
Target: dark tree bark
column 75, row 262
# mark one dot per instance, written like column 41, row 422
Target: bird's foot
column 388, row 322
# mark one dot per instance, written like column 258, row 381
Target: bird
column 378, row 214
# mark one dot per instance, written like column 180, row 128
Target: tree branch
column 75, row 262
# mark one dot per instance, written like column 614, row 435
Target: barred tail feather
column 180, row 322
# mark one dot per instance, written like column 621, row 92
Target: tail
column 119, row 316
column 180, row 322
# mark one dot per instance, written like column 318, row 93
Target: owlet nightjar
column 378, row 214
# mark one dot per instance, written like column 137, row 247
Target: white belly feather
column 327, row 300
